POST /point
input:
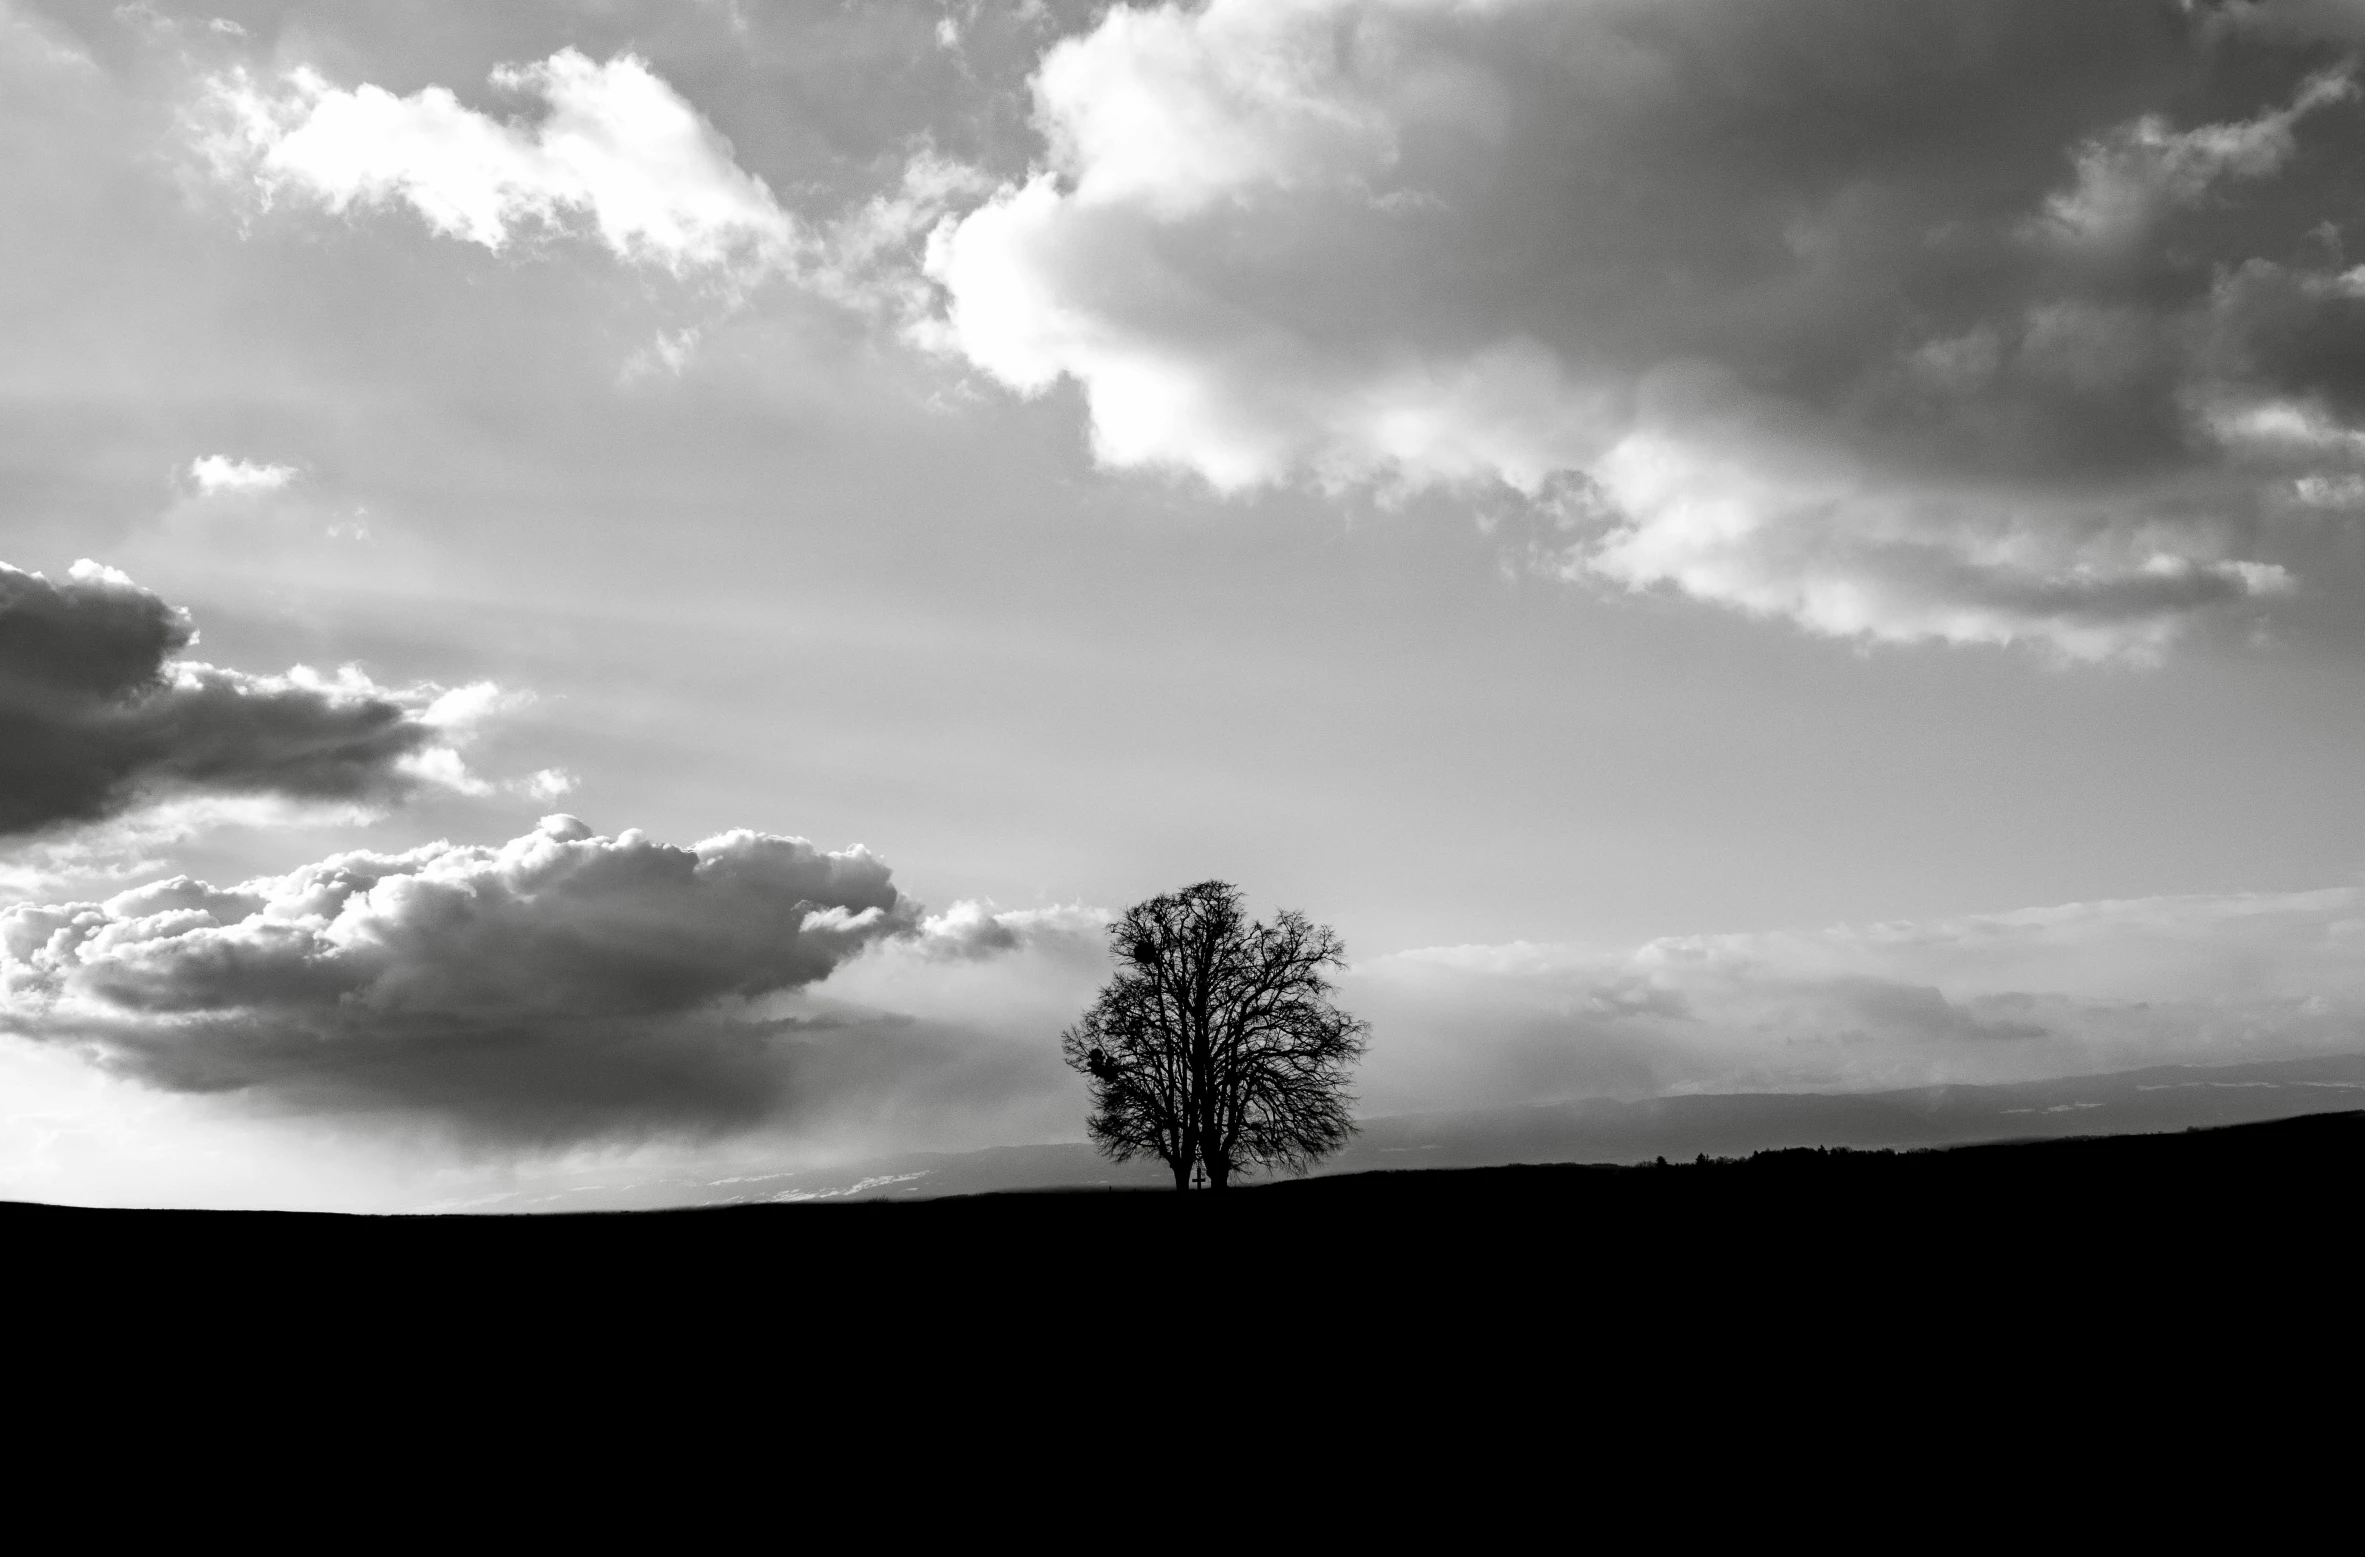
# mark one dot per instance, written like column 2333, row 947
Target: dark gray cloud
column 97, row 713
column 560, row 987
column 1908, row 321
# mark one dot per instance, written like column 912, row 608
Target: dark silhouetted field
column 1891, row 1291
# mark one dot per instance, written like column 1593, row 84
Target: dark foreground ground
column 2185, row 1286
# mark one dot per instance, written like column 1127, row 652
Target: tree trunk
column 1182, row 1173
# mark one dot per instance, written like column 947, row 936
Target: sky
column 604, row 583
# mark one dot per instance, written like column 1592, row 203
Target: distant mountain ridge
column 2168, row 1097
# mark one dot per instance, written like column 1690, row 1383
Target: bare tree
column 1216, row 1044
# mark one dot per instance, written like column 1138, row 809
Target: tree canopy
column 1216, row 1045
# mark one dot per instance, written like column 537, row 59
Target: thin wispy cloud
column 2136, row 173
column 2039, row 993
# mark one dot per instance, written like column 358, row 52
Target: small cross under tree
column 1216, row 1045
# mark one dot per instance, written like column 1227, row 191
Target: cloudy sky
column 592, row 581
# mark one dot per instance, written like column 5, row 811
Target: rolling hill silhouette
column 1595, row 1131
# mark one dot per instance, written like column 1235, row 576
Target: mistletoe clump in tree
column 1216, row 1044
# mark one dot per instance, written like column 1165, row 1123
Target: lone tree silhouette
column 1216, row 1044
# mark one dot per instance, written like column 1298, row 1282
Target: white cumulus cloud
column 220, row 473
column 1168, row 130
column 1612, row 259
column 613, row 148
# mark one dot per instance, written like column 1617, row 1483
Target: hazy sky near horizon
column 1685, row 529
